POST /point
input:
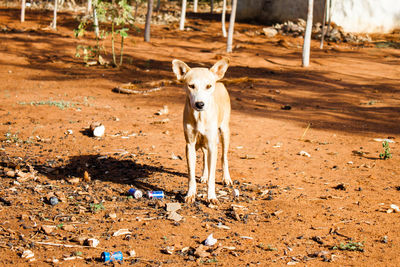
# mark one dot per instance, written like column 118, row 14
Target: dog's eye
column 208, row 86
column 191, row 86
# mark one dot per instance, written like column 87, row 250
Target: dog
column 205, row 119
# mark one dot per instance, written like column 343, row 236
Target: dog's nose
column 199, row 105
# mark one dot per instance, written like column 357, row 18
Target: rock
column 86, row 176
column 210, row 241
column 175, row 216
column 74, row 180
column 395, row 207
column 174, row 157
column 270, row 32
column 97, row 129
column 112, row 215
column 276, row 213
column 92, row 242
column 53, row 201
column 27, row 254
column 79, row 239
column 221, row 226
column 48, row 229
column 162, row 111
column 237, row 213
column 340, row 187
column 171, row 207
column 168, row 250
column 201, row 252
column 122, row 232
column 68, row 227
column 132, row 253
column 10, row 174
column 235, row 193
column 304, row 154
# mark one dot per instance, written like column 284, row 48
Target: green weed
column 386, row 151
column 350, row 246
column 94, row 208
column 60, row 104
column 12, row 138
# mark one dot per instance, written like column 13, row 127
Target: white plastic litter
column 210, row 241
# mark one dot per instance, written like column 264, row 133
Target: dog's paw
column 227, row 181
column 190, row 199
column 204, row 179
column 213, row 201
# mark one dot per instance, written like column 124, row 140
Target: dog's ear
column 220, row 68
column 180, row 69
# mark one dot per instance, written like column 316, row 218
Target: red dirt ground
column 296, row 209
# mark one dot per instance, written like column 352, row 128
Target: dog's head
column 199, row 82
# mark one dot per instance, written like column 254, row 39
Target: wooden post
column 55, row 14
column 183, row 15
column 96, row 22
column 307, row 34
column 223, row 18
column 148, row 21
column 89, row 7
column 231, row 27
column 323, row 25
column 23, row 10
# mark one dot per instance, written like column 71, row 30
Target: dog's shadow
column 108, row 168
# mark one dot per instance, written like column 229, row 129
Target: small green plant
column 60, row 225
column 96, row 207
column 119, row 14
column 350, row 246
column 386, row 151
column 266, row 248
column 60, row 104
column 12, row 138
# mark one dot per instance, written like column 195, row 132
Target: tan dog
column 206, row 115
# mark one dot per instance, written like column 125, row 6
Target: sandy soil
column 292, row 209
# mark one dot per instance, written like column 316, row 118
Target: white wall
column 352, row 15
column 366, row 15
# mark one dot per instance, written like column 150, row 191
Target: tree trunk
column 195, row 4
column 307, row 34
column 158, row 5
column 183, row 15
column 95, row 22
column 223, row 18
column 55, row 14
column 231, row 27
column 148, row 21
column 89, row 7
column 329, row 16
column 136, row 9
column 323, row 25
column 23, row 11
column 212, row 6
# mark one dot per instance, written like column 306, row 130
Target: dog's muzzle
column 199, row 105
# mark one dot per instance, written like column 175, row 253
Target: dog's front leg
column 212, row 164
column 191, row 163
column 204, row 177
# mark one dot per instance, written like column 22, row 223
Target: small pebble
column 53, row 201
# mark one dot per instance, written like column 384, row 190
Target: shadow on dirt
column 107, row 168
column 315, row 98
